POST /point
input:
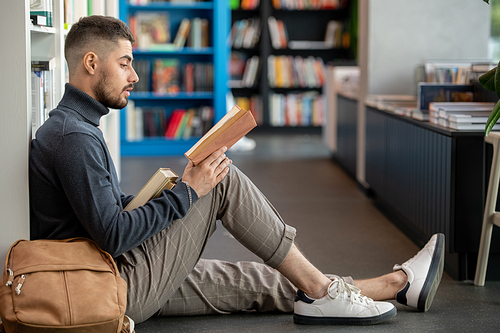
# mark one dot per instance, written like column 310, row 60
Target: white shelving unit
column 21, row 40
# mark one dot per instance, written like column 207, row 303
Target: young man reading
column 74, row 191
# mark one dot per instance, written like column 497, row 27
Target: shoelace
column 352, row 292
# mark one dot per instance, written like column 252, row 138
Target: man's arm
column 81, row 168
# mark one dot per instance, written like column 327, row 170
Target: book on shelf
column 163, row 178
column 436, row 92
column 42, row 8
column 445, row 114
column 297, row 109
column 459, row 106
column 151, row 30
column 42, row 90
column 38, row 20
column 154, row 122
column 165, row 77
column 294, row 72
column 422, row 115
column 471, row 127
column 277, row 31
column 472, row 118
column 143, row 69
column 245, row 33
column 199, row 34
column 250, row 73
column 43, row 64
column 232, row 127
column 182, row 33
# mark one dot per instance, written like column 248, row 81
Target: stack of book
column 469, row 116
column 404, row 105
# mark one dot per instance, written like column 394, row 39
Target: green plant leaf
column 487, row 1
column 487, row 80
column 497, row 81
column 493, row 118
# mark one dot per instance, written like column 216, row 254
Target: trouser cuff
column 282, row 251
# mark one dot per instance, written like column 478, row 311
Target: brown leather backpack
column 69, row 285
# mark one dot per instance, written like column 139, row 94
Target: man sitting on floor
column 74, row 192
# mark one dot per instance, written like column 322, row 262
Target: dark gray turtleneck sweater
column 74, row 189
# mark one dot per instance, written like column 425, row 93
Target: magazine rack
column 491, row 216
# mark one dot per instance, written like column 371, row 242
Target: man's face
column 117, row 77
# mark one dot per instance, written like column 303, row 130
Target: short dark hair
column 91, row 31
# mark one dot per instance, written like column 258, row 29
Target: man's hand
column 208, row 173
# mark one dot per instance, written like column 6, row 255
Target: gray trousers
column 166, row 276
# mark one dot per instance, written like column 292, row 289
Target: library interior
column 376, row 128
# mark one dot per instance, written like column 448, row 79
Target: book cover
column 182, row 33
column 163, row 179
column 166, row 76
column 232, row 127
column 153, row 30
column 430, row 92
column 174, row 122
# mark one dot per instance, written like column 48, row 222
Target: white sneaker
column 243, row 145
column 424, row 273
column 342, row 305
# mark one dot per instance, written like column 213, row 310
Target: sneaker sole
column 434, row 278
column 308, row 320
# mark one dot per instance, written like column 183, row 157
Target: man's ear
column 90, row 62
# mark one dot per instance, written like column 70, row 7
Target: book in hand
column 232, row 127
column 163, row 179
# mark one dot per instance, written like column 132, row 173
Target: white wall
column 403, row 33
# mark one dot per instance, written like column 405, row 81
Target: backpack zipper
column 10, row 280
column 20, row 282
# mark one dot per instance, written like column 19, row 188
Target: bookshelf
column 25, row 42
column 304, row 24
column 141, row 135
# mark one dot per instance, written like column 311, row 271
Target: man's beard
column 105, row 97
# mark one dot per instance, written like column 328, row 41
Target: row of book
column 254, row 104
column 152, row 31
column 169, row 76
column 336, row 36
column 309, row 4
column 296, row 72
column 297, row 109
column 450, row 72
column 243, row 71
column 157, row 122
column 245, row 33
column 42, row 91
column 461, row 115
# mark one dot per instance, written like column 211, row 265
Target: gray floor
column 339, row 230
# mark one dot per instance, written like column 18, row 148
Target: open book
column 232, row 127
column 164, row 178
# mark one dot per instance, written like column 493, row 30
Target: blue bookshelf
column 217, row 12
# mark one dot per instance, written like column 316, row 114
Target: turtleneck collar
column 84, row 104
